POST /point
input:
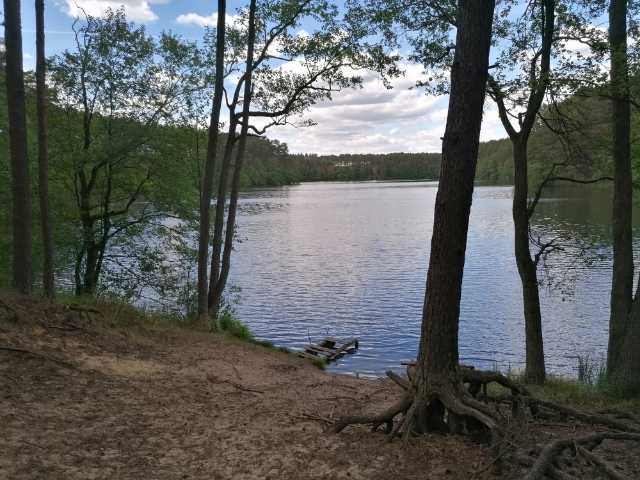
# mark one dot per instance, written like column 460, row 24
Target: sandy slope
column 143, row 401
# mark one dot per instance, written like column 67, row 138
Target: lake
column 350, row 260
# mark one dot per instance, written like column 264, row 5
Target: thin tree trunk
column 21, row 279
column 221, row 283
column 534, row 368
column 43, row 161
column 218, row 225
column 622, row 281
column 209, row 168
column 217, row 288
column 437, row 364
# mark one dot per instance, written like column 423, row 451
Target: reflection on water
column 350, row 260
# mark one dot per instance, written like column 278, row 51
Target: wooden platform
column 329, row 348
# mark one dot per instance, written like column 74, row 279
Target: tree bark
column 43, row 160
column 623, row 354
column 207, row 183
column 21, row 212
column 527, row 268
column 437, row 376
column 622, row 280
column 218, row 226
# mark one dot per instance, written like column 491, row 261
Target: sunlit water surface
column 350, row 260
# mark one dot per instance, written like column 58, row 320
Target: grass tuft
column 592, row 389
column 228, row 323
column 321, row 363
column 119, row 314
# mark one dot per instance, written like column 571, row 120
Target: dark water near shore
column 350, row 260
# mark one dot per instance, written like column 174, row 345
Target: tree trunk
column 527, row 268
column 626, row 372
column 437, row 378
column 218, row 226
column 216, row 292
column 623, row 354
column 221, row 273
column 622, row 281
column 43, row 161
column 534, row 368
column 21, row 279
column 207, row 183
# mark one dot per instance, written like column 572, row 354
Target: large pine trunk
column 437, row 375
column 18, row 144
column 623, row 354
column 534, row 369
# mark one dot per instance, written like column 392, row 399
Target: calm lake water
column 350, row 260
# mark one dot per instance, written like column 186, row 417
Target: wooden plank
column 320, row 349
column 337, row 340
column 345, row 347
column 325, row 349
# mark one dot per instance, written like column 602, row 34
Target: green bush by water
column 228, row 323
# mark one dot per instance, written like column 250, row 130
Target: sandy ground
column 146, row 401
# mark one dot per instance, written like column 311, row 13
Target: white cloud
column 374, row 119
column 202, row 21
column 492, row 128
column 439, row 116
column 369, row 120
column 135, row 10
column 27, row 55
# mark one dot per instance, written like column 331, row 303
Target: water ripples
column 350, row 260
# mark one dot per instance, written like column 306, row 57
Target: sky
column 368, row 120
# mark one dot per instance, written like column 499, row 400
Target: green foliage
column 228, row 323
column 126, row 143
column 268, row 163
column 582, row 154
column 592, row 372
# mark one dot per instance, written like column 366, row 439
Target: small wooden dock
column 329, row 348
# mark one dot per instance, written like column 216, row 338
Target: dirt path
column 154, row 402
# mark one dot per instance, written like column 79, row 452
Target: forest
column 123, row 160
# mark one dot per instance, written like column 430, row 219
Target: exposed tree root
column 35, row 354
column 465, row 411
column 375, row 420
column 548, row 453
column 552, row 472
column 586, row 417
column 600, row 463
column 617, row 413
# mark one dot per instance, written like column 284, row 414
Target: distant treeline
column 268, row 163
column 346, row 167
column 583, row 153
